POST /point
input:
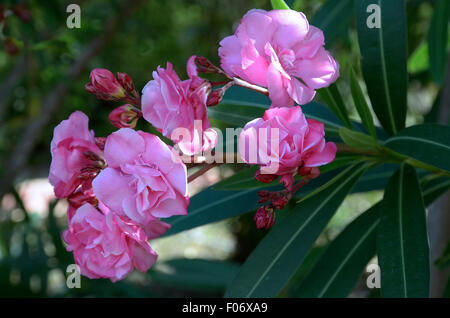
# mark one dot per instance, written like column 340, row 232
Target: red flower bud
column 264, row 178
column 205, row 66
column 105, row 84
column 287, row 180
column 10, row 46
column 279, row 201
column 126, row 82
column 309, row 172
column 2, row 13
column 22, row 13
column 215, row 97
column 264, row 217
column 264, row 195
column 125, row 116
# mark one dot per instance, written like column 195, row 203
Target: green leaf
column 332, row 97
column 402, row 243
column 357, row 140
column 279, row 5
column 418, row 61
column 238, row 113
column 437, row 39
column 341, row 265
column 334, row 18
column 361, row 105
column 283, row 249
column 444, row 261
column 383, row 59
column 428, row 143
column 195, row 274
column 211, row 206
column 446, row 293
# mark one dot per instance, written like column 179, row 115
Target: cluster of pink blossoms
column 119, row 188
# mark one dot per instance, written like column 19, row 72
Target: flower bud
column 264, row 178
column 215, row 97
column 22, row 13
column 264, row 195
column 279, row 201
column 125, row 116
column 264, row 217
column 309, row 172
column 205, row 66
column 10, row 46
column 287, row 180
column 126, row 82
column 106, row 85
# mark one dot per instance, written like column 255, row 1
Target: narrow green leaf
column 278, row 256
column 334, row 18
column 195, row 274
column 341, row 265
column 444, row 261
column 211, row 206
column 361, row 105
column 446, row 293
column 357, row 140
column 339, row 268
column 437, row 39
column 402, row 243
column 279, row 5
column 332, row 97
column 428, row 143
column 383, row 59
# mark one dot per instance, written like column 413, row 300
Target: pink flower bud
column 215, row 97
column 126, row 82
column 205, row 66
column 125, row 116
column 264, row 178
column 287, row 180
column 106, row 85
column 264, row 217
column 309, row 172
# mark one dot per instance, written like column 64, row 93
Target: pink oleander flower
column 284, row 140
column 104, row 246
column 75, row 155
column 143, row 180
column 178, row 108
column 281, row 51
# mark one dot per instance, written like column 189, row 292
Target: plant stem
column 202, row 171
column 256, row 88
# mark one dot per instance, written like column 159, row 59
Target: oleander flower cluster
column 122, row 188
